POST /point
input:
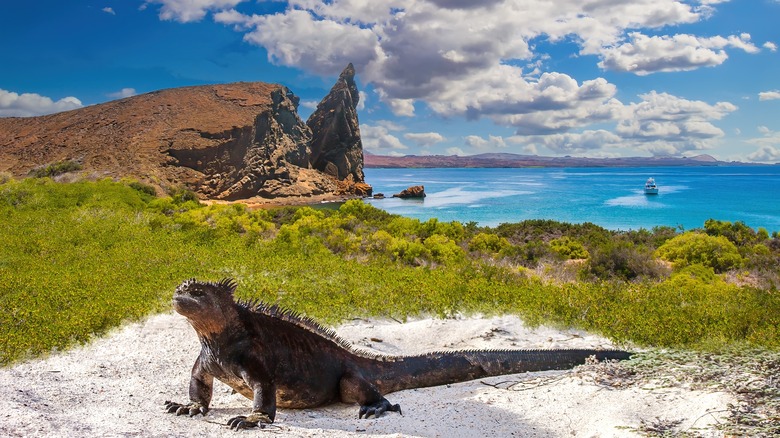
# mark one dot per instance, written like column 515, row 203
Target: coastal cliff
column 228, row 142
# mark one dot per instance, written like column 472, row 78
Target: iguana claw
column 256, row 419
column 190, row 409
column 378, row 408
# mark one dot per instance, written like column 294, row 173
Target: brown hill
column 231, row 141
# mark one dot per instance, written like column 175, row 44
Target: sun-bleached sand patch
column 116, row 386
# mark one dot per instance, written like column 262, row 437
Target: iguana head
column 208, row 306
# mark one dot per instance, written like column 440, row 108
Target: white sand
column 116, row 386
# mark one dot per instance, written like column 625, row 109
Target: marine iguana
column 276, row 357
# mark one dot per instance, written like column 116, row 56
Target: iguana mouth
column 183, row 302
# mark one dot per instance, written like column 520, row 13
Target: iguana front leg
column 263, row 408
column 201, row 388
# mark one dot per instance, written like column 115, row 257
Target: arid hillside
column 231, row 141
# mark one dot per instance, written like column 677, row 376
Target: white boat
column 650, row 187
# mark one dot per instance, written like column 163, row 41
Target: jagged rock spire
column 336, row 148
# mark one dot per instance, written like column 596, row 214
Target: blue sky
column 567, row 77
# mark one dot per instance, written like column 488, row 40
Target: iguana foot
column 256, row 419
column 378, row 408
column 190, row 409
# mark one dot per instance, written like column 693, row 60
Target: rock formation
column 412, row 192
column 232, row 141
column 336, row 148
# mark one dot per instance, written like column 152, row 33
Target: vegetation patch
column 80, row 258
column 55, row 169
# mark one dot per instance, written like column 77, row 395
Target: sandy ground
column 116, row 386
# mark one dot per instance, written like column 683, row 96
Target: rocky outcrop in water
column 417, row 192
column 232, row 141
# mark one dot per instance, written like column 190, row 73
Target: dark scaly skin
column 277, row 358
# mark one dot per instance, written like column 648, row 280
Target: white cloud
column 769, row 95
column 665, row 124
column 310, row 104
column 574, row 143
column 411, row 50
column 772, row 47
column 378, row 139
column 108, row 10
column 391, row 125
column 185, row 11
column 424, row 138
column 323, row 47
column 644, row 54
column 490, row 143
column 768, row 146
column 475, row 60
column 31, row 104
column 124, row 92
column 362, row 100
column 766, row 154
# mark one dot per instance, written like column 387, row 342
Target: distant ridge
column 517, row 160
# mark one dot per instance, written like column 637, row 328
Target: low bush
column 568, row 248
column 625, row 261
column 488, row 243
column 693, row 247
column 55, row 169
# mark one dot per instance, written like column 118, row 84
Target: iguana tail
column 442, row 368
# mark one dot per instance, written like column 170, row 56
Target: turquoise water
column 612, row 198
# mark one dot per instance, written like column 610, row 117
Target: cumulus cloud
column 424, row 138
column 766, row 154
column 490, row 143
column 772, row 47
column 31, row 104
column 644, row 54
column 323, row 47
column 108, row 10
column 665, row 124
column 477, row 60
column 769, row 141
column 185, row 11
column 124, row 92
column 768, row 146
column 572, row 143
column 769, row 95
column 378, row 139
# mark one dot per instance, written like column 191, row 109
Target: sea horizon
column 613, row 197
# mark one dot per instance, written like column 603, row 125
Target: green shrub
column 624, row 261
column 738, row 232
column 568, row 248
column 488, row 243
column 364, row 212
column 182, row 195
column 442, row 249
column 143, row 188
column 692, row 247
column 410, row 252
column 55, row 169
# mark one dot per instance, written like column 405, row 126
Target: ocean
column 610, row 197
